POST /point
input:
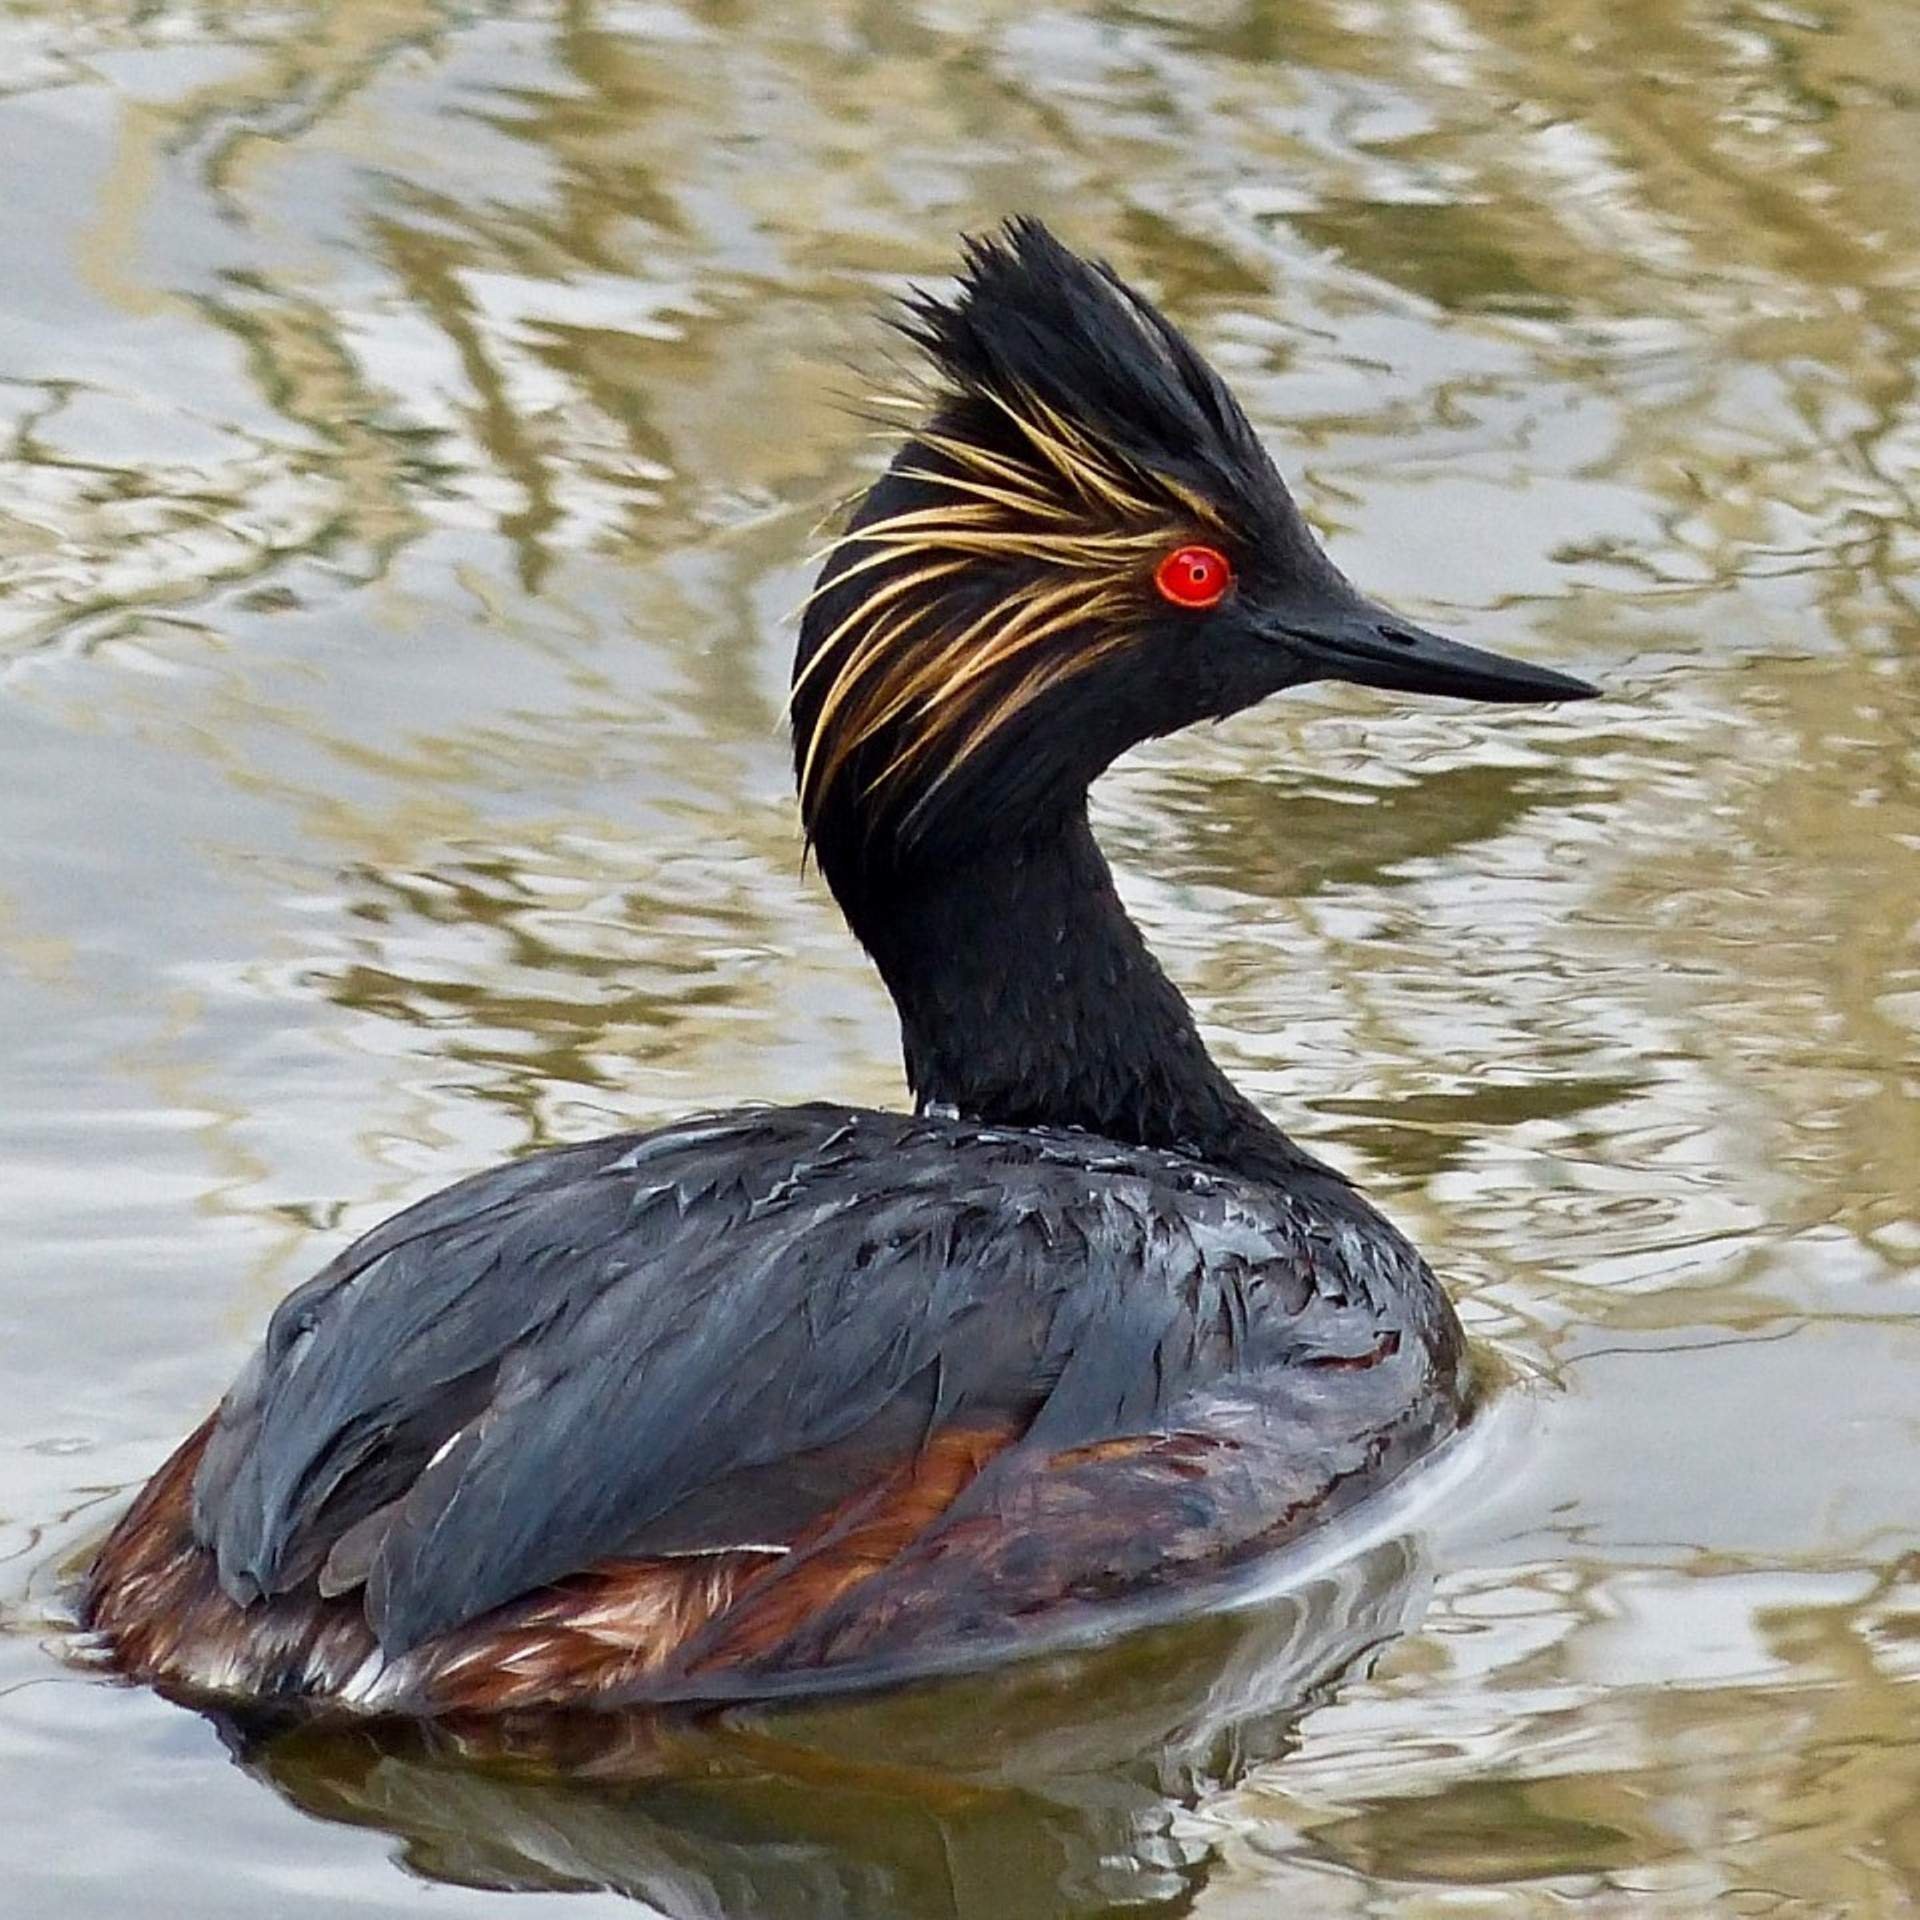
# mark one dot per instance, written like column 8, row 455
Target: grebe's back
column 779, row 1390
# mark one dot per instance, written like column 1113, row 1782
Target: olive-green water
column 413, row 421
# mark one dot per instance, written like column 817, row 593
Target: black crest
column 1036, row 325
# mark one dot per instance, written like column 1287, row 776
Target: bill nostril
column 1398, row 637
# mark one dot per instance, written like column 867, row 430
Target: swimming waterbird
column 778, row 1398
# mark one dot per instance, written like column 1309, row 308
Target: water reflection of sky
column 412, row 423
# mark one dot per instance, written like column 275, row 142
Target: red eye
column 1194, row 576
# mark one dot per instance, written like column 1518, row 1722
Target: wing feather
column 670, row 1342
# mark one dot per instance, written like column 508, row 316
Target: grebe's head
column 1082, row 545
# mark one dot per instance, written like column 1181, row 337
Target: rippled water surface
column 413, row 420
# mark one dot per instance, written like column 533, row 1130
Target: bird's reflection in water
column 1050, row 1788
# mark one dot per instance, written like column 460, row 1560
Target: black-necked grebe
column 782, row 1397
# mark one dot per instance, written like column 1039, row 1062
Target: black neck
column 1027, row 997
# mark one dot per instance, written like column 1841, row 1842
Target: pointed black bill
column 1354, row 639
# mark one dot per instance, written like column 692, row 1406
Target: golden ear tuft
column 900, row 678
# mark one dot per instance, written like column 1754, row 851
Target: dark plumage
column 775, row 1396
